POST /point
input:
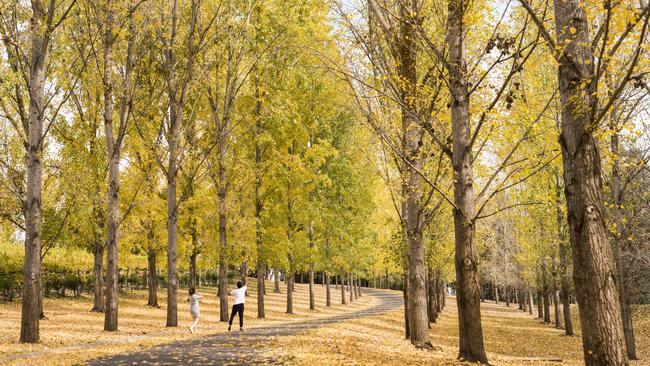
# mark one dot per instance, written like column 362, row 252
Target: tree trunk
column 418, row 318
column 152, row 281
column 342, row 277
column 387, row 282
column 172, row 230
column 359, row 287
column 243, row 271
column 619, row 243
column 258, row 199
column 223, row 226
column 556, row 308
column 312, row 301
column 496, row 293
column 405, row 291
column 260, row 289
column 433, row 301
column 507, row 293
column 565, row 280
column 540, row 305
column 350, row 287
column 530, row 303
column 113, row 149
column 111, row 311
column 30, row 311
column 442, row 295
column 547, row 306
column 328, row 300
column 594, row 270
column 276, row 282
column 98, row 276
column 468, row 292
column 291, row 278
column 192, row 279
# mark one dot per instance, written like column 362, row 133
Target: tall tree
column 579, row 75
column 31, row 64
column 178, row 70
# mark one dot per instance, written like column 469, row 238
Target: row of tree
column 337, row 137
column 471, row 120
column 211, row 127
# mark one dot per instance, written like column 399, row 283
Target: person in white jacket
column 238, row 305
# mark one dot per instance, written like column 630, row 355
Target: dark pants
column 238, row 308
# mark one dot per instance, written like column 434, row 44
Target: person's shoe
column 229, row 328
column 191, row 330
column 241, row 329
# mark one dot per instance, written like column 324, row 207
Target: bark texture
column 40, row 42
column 594, row 270
column 468, row 293
column 620, row 250
column 152, row 278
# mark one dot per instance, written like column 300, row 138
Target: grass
column 73, row 334
column 511, row 338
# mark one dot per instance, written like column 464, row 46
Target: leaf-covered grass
column 511, row 338
column 73, row 334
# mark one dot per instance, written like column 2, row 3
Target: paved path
column 241, row 348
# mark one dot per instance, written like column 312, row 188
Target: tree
column 579, row 76
column 35, row 121
column 178, row 70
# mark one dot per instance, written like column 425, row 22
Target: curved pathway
column 242, row 348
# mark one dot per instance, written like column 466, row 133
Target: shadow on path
column 242, row 348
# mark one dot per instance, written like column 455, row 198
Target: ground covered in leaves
column 72, row 334
column 511, row 337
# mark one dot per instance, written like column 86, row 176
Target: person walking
column 238, row 305
column 195, row 309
